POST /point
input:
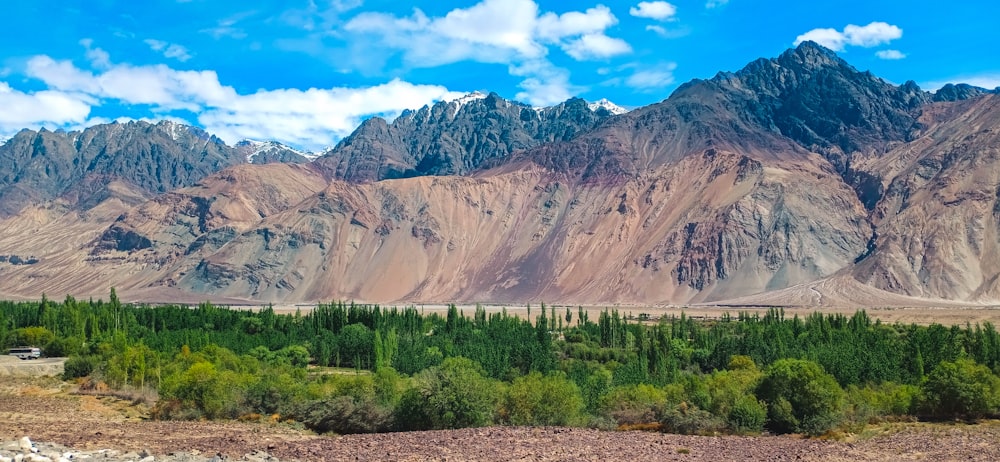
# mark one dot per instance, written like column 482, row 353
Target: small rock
column 146, row 459
column 26, row 445
column 5, row 459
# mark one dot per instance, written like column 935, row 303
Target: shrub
column 633, row 404
column 455, row 394
column 535, row 399
column 687, row 419
column 801, row 397
column 79, row 366
column 345, row 415
column 747, row 415
column 960, row 389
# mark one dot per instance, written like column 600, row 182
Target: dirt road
column 11, row 366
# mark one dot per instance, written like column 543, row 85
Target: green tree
column 801, row 397
column 455, row 394
column 535, row 399
column 961, row 388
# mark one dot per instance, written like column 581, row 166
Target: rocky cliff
column 454, row 137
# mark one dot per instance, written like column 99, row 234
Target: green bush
column 687, row 419
column 873, row 403
column 31, row 336
column 633, row 404
column 747, row 415
column 535, row 399
column 801, row 397
column 455, row 394
column 79, row 366
column 960, row 389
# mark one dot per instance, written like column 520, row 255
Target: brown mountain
column 797, row 179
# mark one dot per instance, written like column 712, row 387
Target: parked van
column 26, row 352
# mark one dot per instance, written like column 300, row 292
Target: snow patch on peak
column 174, row 129
column 253, row 148
column 608, row 105
column 466, row 99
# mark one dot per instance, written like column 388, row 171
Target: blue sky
column 306, row 72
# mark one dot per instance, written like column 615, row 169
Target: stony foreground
column 91, row 428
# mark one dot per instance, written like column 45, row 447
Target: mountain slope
column 797, row 179
column 152, row 158
column 939, row 220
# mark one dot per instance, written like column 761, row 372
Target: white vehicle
column 26, row 352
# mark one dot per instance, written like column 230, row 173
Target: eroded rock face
column 937, row 224
column 453, row 138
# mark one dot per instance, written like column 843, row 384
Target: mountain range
column 795, row 180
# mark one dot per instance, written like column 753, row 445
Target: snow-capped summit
column 608, row 105
column 268, row 151
column 462, row 101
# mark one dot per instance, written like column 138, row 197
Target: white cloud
column 310, row 119
column 98, row 58
column 890, row 54
column 715, row 3
column 544, row 84
column 668, row 33
column 660, row 11
column 652, row 78
column 314, row 118
column 874, row 34
column 511, row 32
column 156, row 85
column 170, row 50
column 47, row 107
column 595, row 46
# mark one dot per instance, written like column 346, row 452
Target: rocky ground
column 101, row 428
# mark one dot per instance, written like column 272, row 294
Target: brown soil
column 44, row 410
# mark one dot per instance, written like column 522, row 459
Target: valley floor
column 45, row 410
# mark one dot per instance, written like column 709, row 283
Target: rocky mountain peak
column 811, row 55
column 959, row 92
column 606, row 105
column 453, row 137
column 265, row 152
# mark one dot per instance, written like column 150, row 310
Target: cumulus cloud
column 310, row 119
column 660, row 11
column 890, row 54
column 36, row 109
column 512, row 32
column 593, row 46
column 874, row 34
column 170, row 50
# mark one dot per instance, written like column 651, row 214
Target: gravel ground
column 88, row 425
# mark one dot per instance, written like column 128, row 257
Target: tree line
column 345, row 367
